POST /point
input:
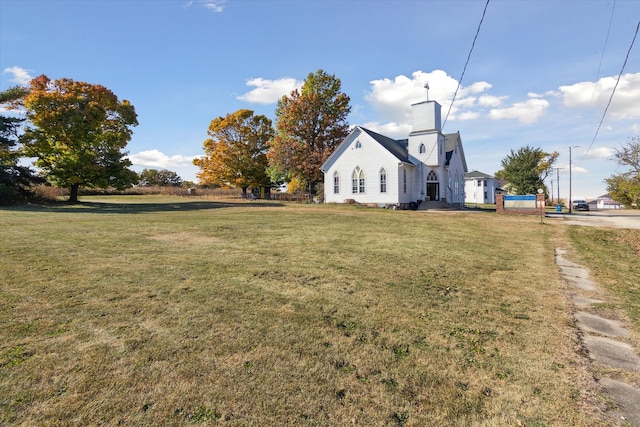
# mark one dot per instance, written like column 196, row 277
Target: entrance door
column 433, row 191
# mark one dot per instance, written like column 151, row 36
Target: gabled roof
column 450, row 142
column 476, row 174
column 396, row 147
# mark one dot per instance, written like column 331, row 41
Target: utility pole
column 557, row 183
column 570, row 198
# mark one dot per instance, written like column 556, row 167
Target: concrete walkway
column 605, row 340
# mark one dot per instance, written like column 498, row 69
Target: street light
column 570, row 199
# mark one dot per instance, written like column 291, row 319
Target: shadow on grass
column 133, row 208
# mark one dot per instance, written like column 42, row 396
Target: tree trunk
column 73, row 194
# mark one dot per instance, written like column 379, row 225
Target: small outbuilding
column 480, row 188
column 605, row 202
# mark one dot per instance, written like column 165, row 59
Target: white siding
column 409, row 195
column 370, row 157
column 426, row 116
column 419, row 181
column 472, row 192
column 475, row 193
column 432, row 155
column 456, row 178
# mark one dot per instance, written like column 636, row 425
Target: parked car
column 580, row 205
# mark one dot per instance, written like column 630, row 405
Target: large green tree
column 77, row 134
column 310, row 124
column 525, row 170
column 625, row 187
column 159, row 178
column 15, row 179
column 236, row 151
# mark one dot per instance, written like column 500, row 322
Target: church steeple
column 426, row 116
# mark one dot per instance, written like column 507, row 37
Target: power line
column 466, row 63
column 604, row 48
column 614, row 90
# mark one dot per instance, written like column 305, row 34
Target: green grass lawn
column 170, row 311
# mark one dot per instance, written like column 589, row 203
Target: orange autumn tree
column 236, row 152
column 77, row 132
column 310, row 124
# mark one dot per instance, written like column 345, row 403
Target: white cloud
column 269, row 91
column 525, row 112
column 212, row 5
column 578, row 169
column 157, row 159
column 549, row 93
column 20, row 75
column 467, row 115
column 392, row 98
column 490, row 100
column 600, row 153
column 596, row 95
column 391, row 129
column 466, row 102
column 575, row 167
column 477, row 87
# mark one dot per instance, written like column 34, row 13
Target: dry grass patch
column 263, row 314
column 184, row 238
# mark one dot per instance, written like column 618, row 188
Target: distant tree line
column 159, row 178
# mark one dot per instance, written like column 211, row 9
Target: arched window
column 357, row 181
column 383, row 180
column 358, row 144
column 336, row 183
column 431, row 176
column 422, row 149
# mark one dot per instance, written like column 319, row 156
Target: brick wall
column 501, row 209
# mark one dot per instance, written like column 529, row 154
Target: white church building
column 370, row 168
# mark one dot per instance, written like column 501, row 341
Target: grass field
column 169, row 311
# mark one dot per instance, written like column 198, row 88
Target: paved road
column 604, row 218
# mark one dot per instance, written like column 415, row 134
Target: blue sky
column 541, row 72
